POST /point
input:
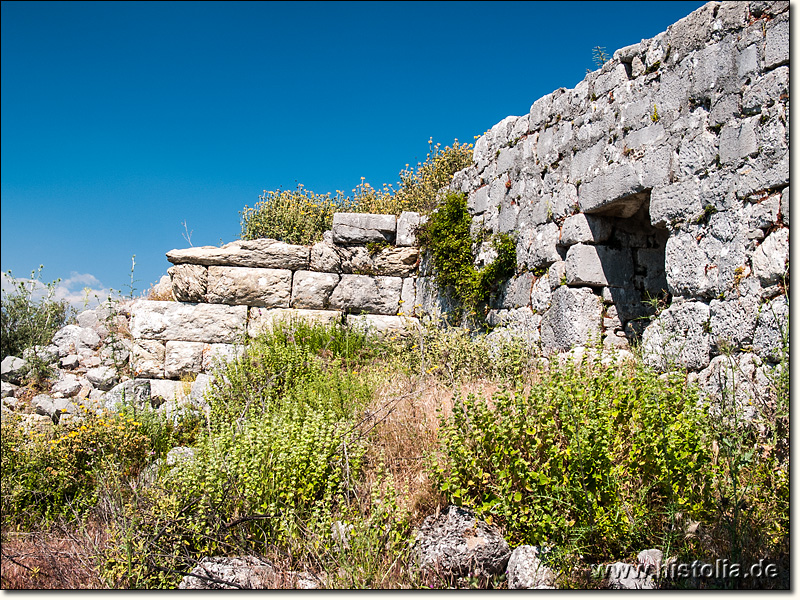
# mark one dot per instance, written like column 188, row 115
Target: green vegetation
column 302, row 216
column 446, row 236
column 25, row 321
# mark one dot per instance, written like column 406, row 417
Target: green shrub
column 25, row 321
column 302, row 216
column 599, row 459
column 44, row 477
column 446, row 236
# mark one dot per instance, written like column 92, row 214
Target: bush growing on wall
column 302, row 216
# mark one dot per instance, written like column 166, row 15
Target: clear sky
column 121, row 121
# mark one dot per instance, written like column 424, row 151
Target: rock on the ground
column 527, row 572
column 13, row 369
column 229, row 573
column 454, row 544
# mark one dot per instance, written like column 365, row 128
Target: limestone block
column 66, row 386
column 526, row 571
column 698, row 153
column 103, row 378
column 737, row 140
column 772, row 329
column 584, row 229
column 541, row 294
column 177, row 321
column 714, row 69
column 324, row 258
column 408, row 297
column 765, row 90
column 183, row 358
column 383, row 325
column 598, row 266
column 355, row 259
column 770, row 258
column 614, row 193
column 262, row 253
column 262, row 320
column 776, row 50
column 148, row 358
column 134, row 392
column 431, row 300
column 733, row 322
column 573, row 319
column 407, row 224
column 724, row 110
column 536, row 247
column 72, row 339
column 739, row 377
column 377, row 295
column 646, row 136
column 679, row 336
column 518, row 291
column 270, row 288
column 217, row 354
column 397, row 262
column 361, row 228
column 313, row 290
column 167, row 390
column 690, row 32
column 785, row 205
column 557, row 274
column 189, row 282
column 765, row 213
column 478, row 201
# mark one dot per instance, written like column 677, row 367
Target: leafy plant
column 27, row 321
column 446, row 236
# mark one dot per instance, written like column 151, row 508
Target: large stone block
column 679, row 201
column 262, row 253
column 362, row 228
column 776, row 50
column 177, row 321
column 770, row 258
column 407, row 224
column 313, row 290
column 615, row 193
column 599, row 266
column 584, row 229
column 377, row 295
column 536, row 247
column 215, row 355
column 431, row 300
column 396, row 262
column 263, row 320
column 270, row 288
column 772, row 329
column 183, row 358
column 680, row 336
column 189, row 282
column 408, row 297
column 573, row 319
column 147, row 358
column 324, row 258
column 518, row 291
column 733, row 322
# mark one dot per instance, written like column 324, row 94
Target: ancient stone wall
column 362, row 274
column 660, row 178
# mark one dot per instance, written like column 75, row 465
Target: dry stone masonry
column 659, row 184
column 363, row 274
column 650, row 204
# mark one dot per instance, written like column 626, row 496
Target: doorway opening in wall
column 633, row 300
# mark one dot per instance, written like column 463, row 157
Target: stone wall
column 662, row 175
column 363, row 273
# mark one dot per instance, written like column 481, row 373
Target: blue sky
column 121, row 121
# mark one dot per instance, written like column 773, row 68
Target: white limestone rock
column 573, row 319
column 189, row 282
column 376, row 295
column 313, row 290
column 261, row 253
column 362, row 228
column 679, row 336
column 183, row 358
column 176, row 321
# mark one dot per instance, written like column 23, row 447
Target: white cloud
column 81, row 290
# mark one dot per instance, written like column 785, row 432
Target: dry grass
column 61, row 558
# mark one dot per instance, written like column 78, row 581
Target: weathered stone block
column 584, row 229
column 573, row 319
column 72, row 339
column 770, row 258
column 407, row 224
column 324, row 258
column 733, row 322
column 377, row 295
column 362, row 228
column 313, row 290
column 598, row 266
column 776, row 50
column 408, row 297
column 177, row 321
column 183, row 358
column 431, row 300
column 262, row 253
column 772, row 329
column 216, row 354
column 189, row 282
column 536, row 247
column 518, row 291
column 396, row 262
column 615, row 193
column 737, row 140
column 147, row 358
column 270, row 288
column 262, row 320
column 679, row 336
